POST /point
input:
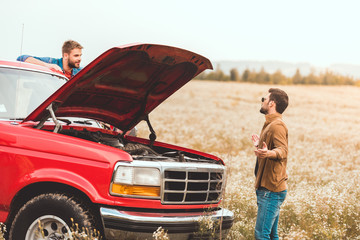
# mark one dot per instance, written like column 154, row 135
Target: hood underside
column 124, row 84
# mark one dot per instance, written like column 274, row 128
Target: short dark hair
column 70, row 45
column 280, row 98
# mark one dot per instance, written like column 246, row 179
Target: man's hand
column 54, row 67
column 264, row 152
column 255, row 139
column 41, row 63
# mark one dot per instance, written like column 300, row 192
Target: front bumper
column 119, row 224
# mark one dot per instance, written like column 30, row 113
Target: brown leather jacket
column 271, row 172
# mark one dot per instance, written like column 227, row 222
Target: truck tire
column 54, row 213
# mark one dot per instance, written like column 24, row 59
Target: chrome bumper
column 120, row 224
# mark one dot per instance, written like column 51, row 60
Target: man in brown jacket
column 270, row 170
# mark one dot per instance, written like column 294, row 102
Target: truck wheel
column 48, row 216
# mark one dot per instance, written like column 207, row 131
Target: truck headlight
column 136, row 181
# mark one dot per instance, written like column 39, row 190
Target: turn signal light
column 135, row 190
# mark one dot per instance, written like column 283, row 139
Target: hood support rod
column 152, row 136
column 53, row 116
column 50, row 108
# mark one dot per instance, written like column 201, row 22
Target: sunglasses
column 263, row 99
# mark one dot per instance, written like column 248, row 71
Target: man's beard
column 71, row 64
column 264, row 110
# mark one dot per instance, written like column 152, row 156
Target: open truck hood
column 124, row 84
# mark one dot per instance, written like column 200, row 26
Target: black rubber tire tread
column 59, row 205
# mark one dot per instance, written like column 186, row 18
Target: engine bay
column 138, row 151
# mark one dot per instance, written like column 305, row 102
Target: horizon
column 288, row 69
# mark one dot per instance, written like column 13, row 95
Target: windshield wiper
column 87, row 122
column 67, row 121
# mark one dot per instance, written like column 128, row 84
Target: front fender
column 71, row 179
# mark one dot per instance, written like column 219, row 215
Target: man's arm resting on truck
column 43, row 62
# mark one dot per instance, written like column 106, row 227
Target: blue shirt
column 57, row 61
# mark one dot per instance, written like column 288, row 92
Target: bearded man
column 69, row 64
column 271, row 160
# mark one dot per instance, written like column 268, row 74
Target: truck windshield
column 22, row 91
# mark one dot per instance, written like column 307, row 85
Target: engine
column 138, row 151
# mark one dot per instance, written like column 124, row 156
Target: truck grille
column 192, row 187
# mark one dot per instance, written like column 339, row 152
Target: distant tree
column 245, row 76
column 328, row 78
column 211, row 76
column 217, row 75
column 349, row 81
column 262, row 76
column 201, row 76
column 312, row 78
column 234, row 75
column 278, row 78
column 297, row 78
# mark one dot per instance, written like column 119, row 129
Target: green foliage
column 262, row 77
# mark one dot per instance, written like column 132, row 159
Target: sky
column 319, row 32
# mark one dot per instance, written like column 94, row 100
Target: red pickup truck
column 67, row 155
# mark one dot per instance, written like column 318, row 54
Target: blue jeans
column 268, row 213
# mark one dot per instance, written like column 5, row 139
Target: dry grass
column 324, row 151
column 2, row 231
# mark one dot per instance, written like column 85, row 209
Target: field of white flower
column 324, row 151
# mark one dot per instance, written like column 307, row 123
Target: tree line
column 262, row 77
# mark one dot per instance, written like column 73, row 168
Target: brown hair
column 70, row 45
column 280, row 98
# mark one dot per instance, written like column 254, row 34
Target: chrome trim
column 120, row 224
column 178, row 166
column 34, row 70
column 188, row 182
column 163, row 218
